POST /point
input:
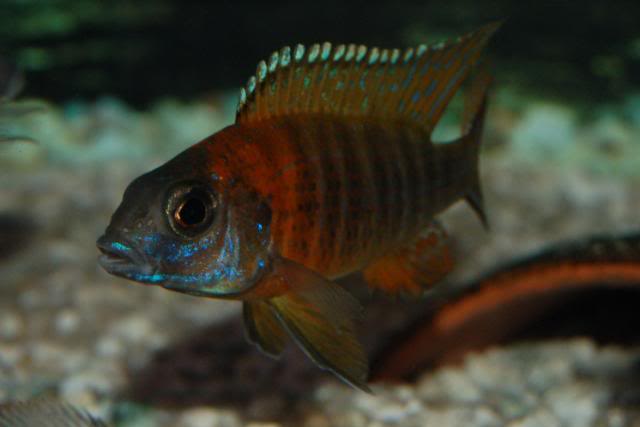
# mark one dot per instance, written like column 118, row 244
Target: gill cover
column 227, row 254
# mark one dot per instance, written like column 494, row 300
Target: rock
column 67, row 322
column 109, row 347
column 547, row 131
column 11, row 325
column 92, row 383
column 11, row 356
column 546, row 384
column 206, row 417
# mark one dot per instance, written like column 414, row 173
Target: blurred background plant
column 147, row 49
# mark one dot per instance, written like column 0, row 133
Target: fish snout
column 120, row 257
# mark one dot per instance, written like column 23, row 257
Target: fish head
column 189, row 230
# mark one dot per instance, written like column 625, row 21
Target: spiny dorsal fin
column 415, row 84
column 475, row 96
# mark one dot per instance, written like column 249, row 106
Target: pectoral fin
column 320, row 316
column 411, row 269
column 263, row 327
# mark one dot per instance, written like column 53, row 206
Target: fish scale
column 378, row 193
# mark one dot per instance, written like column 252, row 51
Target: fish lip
column 120, row 258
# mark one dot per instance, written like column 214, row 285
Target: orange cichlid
column 329, row 169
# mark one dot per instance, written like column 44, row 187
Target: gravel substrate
column 551, row 384
column 69, row 330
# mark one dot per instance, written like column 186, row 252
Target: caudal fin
column 473, row 116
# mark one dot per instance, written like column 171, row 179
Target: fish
column 45, row 413
column 328, row 170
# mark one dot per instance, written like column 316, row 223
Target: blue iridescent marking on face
column 159, row 278
column 120, row 247
column 203, row 280
column 261, row 263
column 228, row 249
column 183, row 252
column 230, row 272
column 155, row 245
column 260, row 227
column 150, row 244
column 149, row 278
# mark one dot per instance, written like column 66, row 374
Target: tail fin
column 472, row 126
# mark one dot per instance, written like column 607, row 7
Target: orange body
column 342, row 191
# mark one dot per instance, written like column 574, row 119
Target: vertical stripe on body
column 348, row 191
column 338, row 189
column 366, row 191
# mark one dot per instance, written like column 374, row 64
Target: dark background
column 145, row 49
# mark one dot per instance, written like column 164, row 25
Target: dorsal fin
column 476, row 94
column 414, row 85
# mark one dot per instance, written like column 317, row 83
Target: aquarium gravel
column 69, row 330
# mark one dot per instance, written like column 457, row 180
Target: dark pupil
column 192, row 212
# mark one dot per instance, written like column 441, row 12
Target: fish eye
column 191, row 212
column 191, row 209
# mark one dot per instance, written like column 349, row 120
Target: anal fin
column 411, row 269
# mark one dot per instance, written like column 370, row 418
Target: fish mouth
column 121, row 259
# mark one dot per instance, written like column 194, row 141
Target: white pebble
column 67, row 322
column 207, row 417
column 11, row 325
